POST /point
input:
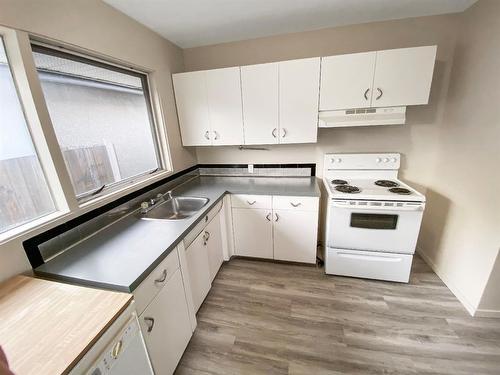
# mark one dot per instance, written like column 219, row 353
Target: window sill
column 46, row 222
column 32, row 226
column 124, row 190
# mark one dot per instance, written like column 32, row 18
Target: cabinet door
column 259, row 88
column 298, row 100
column 403, row 76
column 346, row 81
column 198, row 268
column 166, row 327
column 225, row 108
column 192, row 108
column 253, row 232
column 295, row 235
column 214, row 245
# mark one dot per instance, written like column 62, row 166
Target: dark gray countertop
column 123, row 254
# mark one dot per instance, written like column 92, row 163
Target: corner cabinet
column 275, row 227
column 388, row 78
column 209, row 107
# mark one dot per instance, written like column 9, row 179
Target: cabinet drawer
column 295, row 203
column 251, row 201
column 150, row 287
column 190, row 237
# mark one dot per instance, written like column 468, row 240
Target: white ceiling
column 193, row 23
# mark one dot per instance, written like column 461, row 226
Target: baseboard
column 451, row 286
column 484, row 313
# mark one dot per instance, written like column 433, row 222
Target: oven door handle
column 376, row 258
column 406, row 207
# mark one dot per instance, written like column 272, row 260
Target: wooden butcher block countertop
column 46, row 327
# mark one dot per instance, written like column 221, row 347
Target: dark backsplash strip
column 312, row 166
column 31, row 245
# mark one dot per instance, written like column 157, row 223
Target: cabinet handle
column 150, row 322
column 268, row 216
column 366, row 93
column 207, row 135
column 162, row 278
column 117, row 348
column 295, row 204
column 274, row 132
column 277, row 217
column 251, row 203
column 380, row 93
column 284, row 133
column 216, row 135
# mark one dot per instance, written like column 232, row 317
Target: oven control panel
column 362, row 161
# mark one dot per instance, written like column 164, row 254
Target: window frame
column 64, row 53
column 18, row 47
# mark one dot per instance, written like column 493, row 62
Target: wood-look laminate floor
column 269, row 318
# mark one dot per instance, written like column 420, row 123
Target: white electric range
column 373, row 219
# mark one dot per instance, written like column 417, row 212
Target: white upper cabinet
column 389, row 78
column 259, row 87
column 224, row 106
column 298, row 100
column 192, row 108
column 346, row 81
column 209, row 107
column 403, row 76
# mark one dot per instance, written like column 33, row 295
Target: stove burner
column 347, row 189
column 401, row 191
column 386, row 183
column 339, row 182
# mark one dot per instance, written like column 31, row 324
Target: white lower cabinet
column 198, row 269
column 214, row 246
column 253, row 232
column 295, row 235
column 283, row 228
column 166, row 327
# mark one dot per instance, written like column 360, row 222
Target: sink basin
column 176, row 208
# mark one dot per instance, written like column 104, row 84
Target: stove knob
column 386, row 160
column 394, row 160
column 339, row 160
column 332, row 160
column 379, row 160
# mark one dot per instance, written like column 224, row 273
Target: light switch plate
column 250, row 168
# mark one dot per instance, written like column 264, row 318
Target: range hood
column 362, row 117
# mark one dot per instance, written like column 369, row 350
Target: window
column 102, row 118
column 374, row 221
column 24, row 193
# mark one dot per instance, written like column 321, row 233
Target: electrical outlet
column 250, row 168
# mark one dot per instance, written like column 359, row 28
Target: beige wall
column 462, row 224
column 93, row 25
column 442, row 143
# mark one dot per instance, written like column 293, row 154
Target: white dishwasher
column 120, row 350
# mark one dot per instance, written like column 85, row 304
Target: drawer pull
column 162, row 278
column 251, row 203
column 268, row 216
column 150, row 322
column 277, row 217
column 295, row 204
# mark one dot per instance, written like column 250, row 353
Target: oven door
column 375, row 226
